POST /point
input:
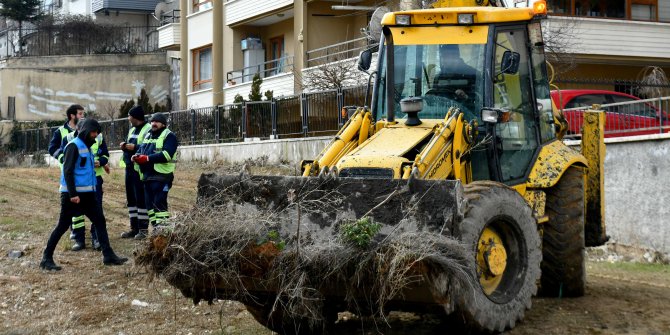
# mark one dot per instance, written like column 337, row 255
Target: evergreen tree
column 125, row 108
column 21, row 11
column 255, row 94
column 269, row 95
column 143, row 100
column 238, row 99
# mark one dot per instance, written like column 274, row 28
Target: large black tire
column 282, row 324
column 563, row 266
column 495, row 207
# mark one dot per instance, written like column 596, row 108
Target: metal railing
column 639, row 117
column 95, row 39
column 266, row 69
column 304, row 115
column 170, row 17
column 337, row 52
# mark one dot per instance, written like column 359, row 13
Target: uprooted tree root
column 215, row 253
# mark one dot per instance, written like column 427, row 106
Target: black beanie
column 137, row 112
column 160, row 118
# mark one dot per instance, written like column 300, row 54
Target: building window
column 200, row 5
column 646, row 10
column 558, row 7
column 202, row 68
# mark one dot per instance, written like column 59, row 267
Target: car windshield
column 444, row 75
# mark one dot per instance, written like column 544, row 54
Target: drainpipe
column 183, row 53
column 300, row 34
column 217, row 53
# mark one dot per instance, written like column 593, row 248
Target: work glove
column 141, row 159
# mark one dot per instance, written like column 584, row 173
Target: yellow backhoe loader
column 461, row 143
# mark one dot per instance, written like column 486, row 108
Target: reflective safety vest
column 84, row 176
column 94, row 149
column 140, row 140
column 164, row 168
column 67, row 134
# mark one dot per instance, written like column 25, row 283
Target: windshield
column 444, row 75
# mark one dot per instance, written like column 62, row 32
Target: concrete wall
column 45, row 86
column 5, row 131
column 637, row 191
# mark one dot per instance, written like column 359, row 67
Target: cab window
column 512, row 92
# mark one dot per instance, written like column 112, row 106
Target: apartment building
column 612, row 39
column 275, row 38
column 223, row 43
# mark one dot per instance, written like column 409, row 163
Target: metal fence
column 623, row 117
column 319, row 113
column 640, row 117
column 65, row 40
column 304, row 115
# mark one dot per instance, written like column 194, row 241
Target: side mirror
column 510, row 62
column 365, row 59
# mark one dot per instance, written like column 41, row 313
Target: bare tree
column 331, row 75
column 654, row 82
column 560, row 42
column 107, row 110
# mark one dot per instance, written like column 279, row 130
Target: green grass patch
column 633, row 267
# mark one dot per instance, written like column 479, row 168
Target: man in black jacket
column 156, row 158
column 78, row 184
column 74, row 113
column 137, row 209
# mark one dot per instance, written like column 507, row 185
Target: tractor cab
column 486, row 61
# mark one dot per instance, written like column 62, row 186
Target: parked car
column 636, row 118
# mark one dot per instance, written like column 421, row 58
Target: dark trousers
column 156, row 193
column 137, row 209
column 88, row 205
column 79, row 234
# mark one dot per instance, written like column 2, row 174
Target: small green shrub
column 361, row 232
column 273, row 236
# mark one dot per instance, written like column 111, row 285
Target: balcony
column 266, row 70
column 145, row 6
column 614, row 38
column 169, row 33
column 337, row 52
column 277, row 76
column 238, row 11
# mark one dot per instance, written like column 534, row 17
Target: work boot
column 129, row 234
column 49, row 265
column 78, row 246
column 96, row 245
column 142, row 234
column 113, row 259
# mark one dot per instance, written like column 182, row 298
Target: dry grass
column 223, row 250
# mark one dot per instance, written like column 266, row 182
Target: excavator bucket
column 316, row 207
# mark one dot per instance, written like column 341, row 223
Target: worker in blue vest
column 137, row 210
column 101, row 160
column 77, row 187
column 73, row 113
column 156, row 158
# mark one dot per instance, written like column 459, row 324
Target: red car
column 627, row 119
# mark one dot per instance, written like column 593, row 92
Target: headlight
column 489, row 115
column 466, row 19
column 403, row 20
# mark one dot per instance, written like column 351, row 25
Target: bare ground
column 89, row 298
